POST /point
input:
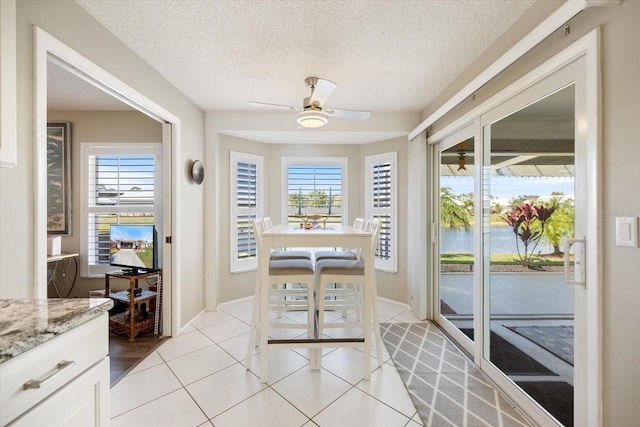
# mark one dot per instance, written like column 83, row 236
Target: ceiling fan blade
column 321, row 90
column 348, row 114
column 264, row 104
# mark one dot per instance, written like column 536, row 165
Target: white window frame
column 238, row 265
column 116, row 148
column 391, row 264
column 343, row 162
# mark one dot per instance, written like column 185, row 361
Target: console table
column 130, row 322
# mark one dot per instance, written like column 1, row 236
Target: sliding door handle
column 578, row 262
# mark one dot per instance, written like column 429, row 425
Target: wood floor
column 125, row 354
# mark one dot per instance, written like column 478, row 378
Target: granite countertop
column 27, row 323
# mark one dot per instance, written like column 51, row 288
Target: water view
column 503, row 241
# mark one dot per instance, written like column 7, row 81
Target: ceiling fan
column 313, row 113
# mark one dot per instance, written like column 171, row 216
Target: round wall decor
column 197, row 172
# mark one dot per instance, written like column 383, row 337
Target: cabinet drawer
column 80, row 403
column 60, row 360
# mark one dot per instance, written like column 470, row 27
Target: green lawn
column 504, row 259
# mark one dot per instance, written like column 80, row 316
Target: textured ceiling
column 66, row 91
column 385, row 56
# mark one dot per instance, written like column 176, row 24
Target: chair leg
column 310, row 312
column 314, row 354
column 279, row 313
column 320, row 308
column 357, row 293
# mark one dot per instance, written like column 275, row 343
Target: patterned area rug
column 557, row 340
column 445, row 387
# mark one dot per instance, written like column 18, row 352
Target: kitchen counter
column 27, row 323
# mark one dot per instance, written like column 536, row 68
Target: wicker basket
column 119, row 325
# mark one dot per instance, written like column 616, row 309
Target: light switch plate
column 627, row 232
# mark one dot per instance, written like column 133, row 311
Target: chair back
column 370, row 226
column 257, row 225
column 373, row 226
column 358, row 223
column 267, row 222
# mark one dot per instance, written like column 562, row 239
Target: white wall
column 69, row 23
column 621, row 179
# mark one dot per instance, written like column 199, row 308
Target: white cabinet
column 63, row 382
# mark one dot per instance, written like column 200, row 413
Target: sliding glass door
column 528, row 213
column 454, row 213
column 515, row 198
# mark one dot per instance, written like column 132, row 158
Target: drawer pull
column 61, row 366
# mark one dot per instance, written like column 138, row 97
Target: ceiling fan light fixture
column 312, row 119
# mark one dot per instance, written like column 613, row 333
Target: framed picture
column 59, row 178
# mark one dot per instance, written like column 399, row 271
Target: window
column 380, row 204
column 314, row 186
column 246, row 204
column 120, row 185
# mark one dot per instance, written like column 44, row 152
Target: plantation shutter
column 381, row 195
column 122, row 187
column 246, row 205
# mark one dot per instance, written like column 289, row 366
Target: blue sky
column 137, row 232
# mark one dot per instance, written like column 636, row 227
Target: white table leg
column 376, row 318
column 254, row 320
column 369, row 271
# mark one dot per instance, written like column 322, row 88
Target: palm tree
column 453, row 213
column 561, row 225
column 496, row 206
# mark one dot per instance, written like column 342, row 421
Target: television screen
column 133, row 246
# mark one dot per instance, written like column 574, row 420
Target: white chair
column 346, row 291
column 276, row 255
column 351, row 254
column 347, row 272
column 283, row 254
column 267, row 222
column 282, row 271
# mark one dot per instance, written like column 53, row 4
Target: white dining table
column 289, row 236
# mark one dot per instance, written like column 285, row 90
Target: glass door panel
column 528, row 212
column 456, row 238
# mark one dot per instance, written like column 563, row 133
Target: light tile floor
column 199, row 379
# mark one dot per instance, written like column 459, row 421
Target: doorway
column 47, row 48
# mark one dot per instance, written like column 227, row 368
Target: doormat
column 446, row 309
column 510, row 359
column 557, row 340
column 555, row 397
